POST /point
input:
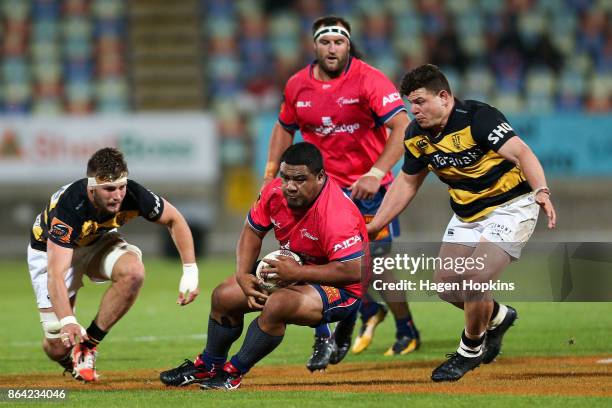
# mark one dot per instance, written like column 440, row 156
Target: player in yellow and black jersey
column 464, row 155
column 71, row 219
column 76, row 235
column 496, row 186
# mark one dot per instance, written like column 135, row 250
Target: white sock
column 501, row 314
column 468, row 351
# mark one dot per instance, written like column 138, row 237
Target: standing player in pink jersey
column 301, row 207
column 344, row 106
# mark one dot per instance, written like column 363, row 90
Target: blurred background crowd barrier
column 190, row 89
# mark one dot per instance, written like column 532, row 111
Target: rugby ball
column 269, row 281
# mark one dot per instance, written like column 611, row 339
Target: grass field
column 568, row 339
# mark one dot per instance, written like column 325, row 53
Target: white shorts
column 96, row 261
column 509, row 226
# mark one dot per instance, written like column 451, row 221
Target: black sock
column 219, row 339
column 66, row 362
column 95, row 334
column 257, row 344
column 495, row 310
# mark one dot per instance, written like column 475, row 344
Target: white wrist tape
column 68, row 320
column 376, row 172
column 189, row 280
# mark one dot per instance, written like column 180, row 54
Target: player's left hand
column 543, row 200
column 365, row 188
column 188, row 287
column 284, row 267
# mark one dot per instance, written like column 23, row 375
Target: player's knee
column 276, row 306
column 220, row 297
column 132, row 276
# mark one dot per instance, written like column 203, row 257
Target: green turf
column 157, row 333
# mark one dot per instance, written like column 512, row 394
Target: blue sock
column 405, row 327
column 323, row 330
column 368, row 307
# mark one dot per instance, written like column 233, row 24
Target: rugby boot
column 455, row 367
column 404, row 345
column 341, row 341
column 366, row 333
column 84, row 363
column 190, row 372
column 493, row 341
column 321, row 353
column 229, row 378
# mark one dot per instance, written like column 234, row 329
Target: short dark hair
column 332, row 20
column 304, row 153
column 426, row 76
column 107, row 163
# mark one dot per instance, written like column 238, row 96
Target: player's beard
column 333, row 72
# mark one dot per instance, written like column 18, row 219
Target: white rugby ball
column 269, row 281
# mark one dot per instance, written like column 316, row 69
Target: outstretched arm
column 59, row 260
column 183, row 240
column 400, row 194
column 519, row 153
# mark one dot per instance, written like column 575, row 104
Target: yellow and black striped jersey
column 71, row 220
column 464, row 156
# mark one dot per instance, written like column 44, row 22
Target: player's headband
column 100, row 181
column 332, row 30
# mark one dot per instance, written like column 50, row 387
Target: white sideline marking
column 605, row 361
column 137, row 339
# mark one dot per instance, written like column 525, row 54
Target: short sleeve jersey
column 331, row 229
column 464, row 156
column 343, row 117
column 70, row 219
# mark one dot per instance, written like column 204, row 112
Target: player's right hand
column 250, row 286
column 71, row 334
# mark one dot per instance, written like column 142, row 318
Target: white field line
column 605, row 361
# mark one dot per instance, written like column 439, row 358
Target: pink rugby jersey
column 343, row 117
column 331, row 229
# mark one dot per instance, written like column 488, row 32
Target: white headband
column 93, row 182
column 331, row 30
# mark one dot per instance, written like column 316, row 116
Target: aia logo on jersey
column 347, row 243
column 395, row 96
column 499, row 133
column 60, row 230
column 303, row 104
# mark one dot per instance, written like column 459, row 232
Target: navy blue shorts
column 381, row 245
column 338, row 304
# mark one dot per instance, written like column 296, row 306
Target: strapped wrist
column 376, row 172
column 68, row 320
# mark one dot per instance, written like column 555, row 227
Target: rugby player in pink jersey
column 301, row 207
column 345, row 107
